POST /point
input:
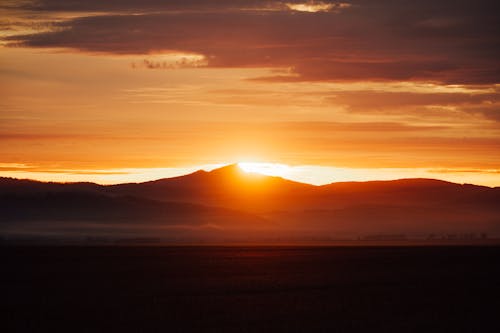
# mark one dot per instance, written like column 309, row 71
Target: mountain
column 229, row 204
column 228, row 186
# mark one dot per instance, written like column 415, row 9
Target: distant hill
column 228, row 203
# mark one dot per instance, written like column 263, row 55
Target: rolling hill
column 228, row 203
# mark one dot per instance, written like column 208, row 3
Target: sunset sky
column 133, row 90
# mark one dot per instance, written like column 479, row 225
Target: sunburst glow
column 269, row 169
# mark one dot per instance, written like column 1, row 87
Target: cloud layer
column 90, row 86
column 453, row 42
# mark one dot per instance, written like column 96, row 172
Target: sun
column 269, row 169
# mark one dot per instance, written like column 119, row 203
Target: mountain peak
column 228, row 169
column 234, row 172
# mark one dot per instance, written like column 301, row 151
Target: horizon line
column 294, row 175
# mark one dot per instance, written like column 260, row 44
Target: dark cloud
column 368, row 100
column 156, row 5
column 451, row 42
column 488, row 110
column 485, row 104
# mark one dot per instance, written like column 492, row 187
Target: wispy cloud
column 172, row 61
column 318, row 6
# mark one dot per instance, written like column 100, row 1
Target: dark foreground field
column 250, row 289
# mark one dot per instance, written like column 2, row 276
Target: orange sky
column 136, row 90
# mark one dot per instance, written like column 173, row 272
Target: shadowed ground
column 250, row 289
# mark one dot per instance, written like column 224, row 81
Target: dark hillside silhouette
column 228, row 203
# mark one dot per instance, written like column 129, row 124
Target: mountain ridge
column 235, row 169
column 234, row 204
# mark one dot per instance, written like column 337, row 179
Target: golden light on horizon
column 309, row 174
column 269, row 169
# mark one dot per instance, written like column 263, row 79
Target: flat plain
column 250, row 289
